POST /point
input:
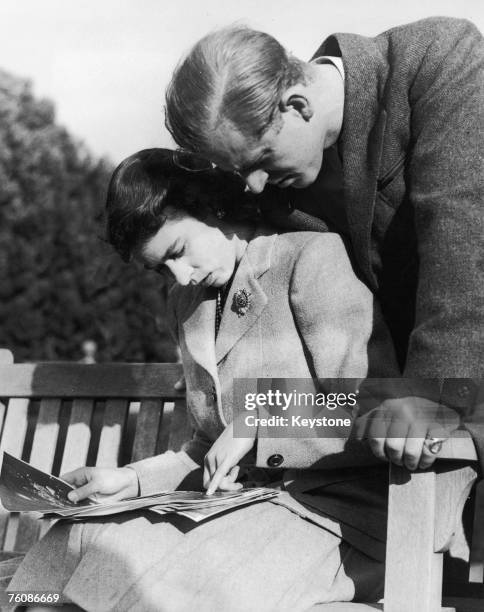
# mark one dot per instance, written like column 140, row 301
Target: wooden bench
column 60, row 416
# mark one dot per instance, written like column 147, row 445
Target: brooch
column 241, row 302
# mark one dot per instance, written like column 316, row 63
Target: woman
column 246, row 303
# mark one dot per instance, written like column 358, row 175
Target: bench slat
column 413, row 577
column 46, row 433
column 78, row 435
column 42, row 456
column 13, row 439
column 114, row 380
column 147, row 428
column 476, row 572
column 112, row 433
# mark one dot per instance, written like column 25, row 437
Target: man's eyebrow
column 252, row 164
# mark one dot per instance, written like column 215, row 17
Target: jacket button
column 275, row 460
column 213, row 393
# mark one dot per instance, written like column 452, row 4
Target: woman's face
column 190, row 251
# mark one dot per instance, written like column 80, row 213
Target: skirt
column 258, row 558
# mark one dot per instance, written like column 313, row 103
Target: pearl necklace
column 219, row 305
column 218, row 311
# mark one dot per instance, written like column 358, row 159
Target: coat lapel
column 198, row 326
column 361, row 138
column 254, row 263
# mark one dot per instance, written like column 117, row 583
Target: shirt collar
column 331, row 59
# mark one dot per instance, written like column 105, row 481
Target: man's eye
column 160, row 269
column 177, row 254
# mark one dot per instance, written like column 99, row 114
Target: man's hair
column 149, row 181
column 236, row 75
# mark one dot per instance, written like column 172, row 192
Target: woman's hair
column 146, row 183
column 235, row 74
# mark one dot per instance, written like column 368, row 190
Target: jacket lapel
column 361, row 138
column 235, row 321
column 198, row 324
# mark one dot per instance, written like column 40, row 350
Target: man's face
column 190, row 252
column 290, row 154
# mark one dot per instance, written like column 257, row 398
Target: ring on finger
column 434, row 445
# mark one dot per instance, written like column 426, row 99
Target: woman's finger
column 214, row 483
column 77, row 477
column 233, row 474
column 227, row 485
column 228, row 482
column 83, row 492
column 209, row 469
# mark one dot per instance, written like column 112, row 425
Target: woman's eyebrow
column 173, row 248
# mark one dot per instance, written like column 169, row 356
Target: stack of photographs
column 24, row 488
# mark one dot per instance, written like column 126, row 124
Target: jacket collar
column 255, row 262
column 197, row 313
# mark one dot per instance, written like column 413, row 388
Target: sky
column 106, row 63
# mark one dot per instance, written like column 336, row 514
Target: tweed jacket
column 303, row 320
column 411, row 179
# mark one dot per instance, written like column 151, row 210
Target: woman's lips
column 207, row 281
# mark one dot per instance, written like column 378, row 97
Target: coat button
column 275, row 460
column 213, row 393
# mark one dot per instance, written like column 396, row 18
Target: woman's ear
column 296, row 99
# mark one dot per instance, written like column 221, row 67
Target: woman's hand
column 117, row 483
column 399, row 430
column 220, row 466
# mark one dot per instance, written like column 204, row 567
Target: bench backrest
column 59, row 416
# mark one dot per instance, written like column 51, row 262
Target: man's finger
column 413, row 445
column 377, row 446
column 394, row 448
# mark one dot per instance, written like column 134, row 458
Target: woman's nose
column 180, row 272
column 256, row 181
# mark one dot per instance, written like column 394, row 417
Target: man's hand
column 397, row 430
column 117, row 483
column 220, row 465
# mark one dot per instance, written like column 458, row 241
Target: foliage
column 59, row 282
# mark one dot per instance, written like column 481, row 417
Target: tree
column 59, row 282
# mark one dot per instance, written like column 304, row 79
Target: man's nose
column 180, row 273
column 256, row 181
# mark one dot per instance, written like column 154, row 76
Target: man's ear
column 296, row 99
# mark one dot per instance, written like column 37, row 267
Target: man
column 380, row 138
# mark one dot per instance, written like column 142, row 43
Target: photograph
column 242, row 306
